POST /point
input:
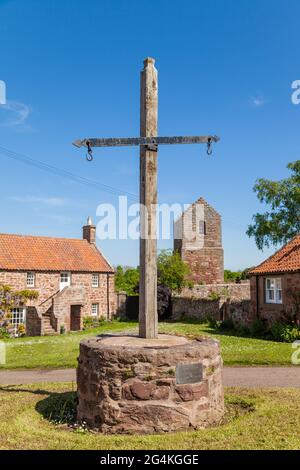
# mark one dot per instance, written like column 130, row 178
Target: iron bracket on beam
column 137, row 141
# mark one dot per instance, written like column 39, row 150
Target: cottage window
column 65, row 280
column 95, row 280
column 30, row 279
column 18, row 316
column 273, row 290
column 95, row 310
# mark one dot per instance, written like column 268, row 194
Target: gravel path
column 233, row 376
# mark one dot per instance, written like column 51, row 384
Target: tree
column 282, row 222
column 126, row 280
column 234, row 276
column 172, row 271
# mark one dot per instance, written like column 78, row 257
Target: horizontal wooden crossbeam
column 130, row 141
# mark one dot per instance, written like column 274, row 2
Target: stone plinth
column 127, row 384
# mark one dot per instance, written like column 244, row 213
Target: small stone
column 161, row 393
column 142, row 391
column 189, row 392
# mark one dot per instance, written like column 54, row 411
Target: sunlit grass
column 62, row 351
column 257, row 419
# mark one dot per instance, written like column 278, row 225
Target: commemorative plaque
column 189, row 373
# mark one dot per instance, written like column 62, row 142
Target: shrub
column 90, row 322
column 227, row 324
column 214, row 295
column 21, row 331
column 220, row 325
column 258, row 329
column 164, row 295
column 10, row 299
column 285, row 333
column 4, row 333
column 213, row 323
column 243, row 331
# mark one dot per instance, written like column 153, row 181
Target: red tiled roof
column 285, row 260
column 22, row 252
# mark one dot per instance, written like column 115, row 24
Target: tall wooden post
column 148, row 200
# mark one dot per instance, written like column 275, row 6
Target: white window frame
column 30, row 279
column 95, row 280
column 273, row 290
column 18, row 316
column 64, row 283
column 95, row 310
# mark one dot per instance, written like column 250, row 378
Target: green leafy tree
column 234, row 276
column 282, row 222
column 126, row 280
column 172, row 271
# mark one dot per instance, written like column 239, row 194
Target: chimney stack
column 89, row 231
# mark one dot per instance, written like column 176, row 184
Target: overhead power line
column 64, row 173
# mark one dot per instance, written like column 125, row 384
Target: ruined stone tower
column 198, row 239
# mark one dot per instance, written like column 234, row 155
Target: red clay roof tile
column 23, row 252
column 287, row 259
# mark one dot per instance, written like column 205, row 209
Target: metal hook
column 209, row 146
column 89, row 155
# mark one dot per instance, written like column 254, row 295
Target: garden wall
column 235, row 291
column 233, row 302
column 199, row 309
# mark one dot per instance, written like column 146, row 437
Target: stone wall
column 272, row 312
column 128, row 385
column 239, row 311
column 199, row 309
column 234, row 303
column 33, row 322
column 47, row 285
column 62, row 302
column 235, row 291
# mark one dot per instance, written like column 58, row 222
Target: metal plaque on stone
column 189, row 373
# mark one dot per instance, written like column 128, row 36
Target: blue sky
column 72, row 70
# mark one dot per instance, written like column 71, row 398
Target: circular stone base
column 127, row 384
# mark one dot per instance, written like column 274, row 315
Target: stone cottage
column 275, row 284
column 198, row 239
column 71, row 276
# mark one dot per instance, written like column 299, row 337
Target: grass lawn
column 256, row 419
column 237, row 350
column 62, row 351
column 54, row 351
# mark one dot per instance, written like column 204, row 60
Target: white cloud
column 15, row 114
column 257, row 102
column 49, row 201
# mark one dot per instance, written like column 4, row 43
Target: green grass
column 237, row 350
column 256, row 419
column 54, row 351
column 62, row 351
